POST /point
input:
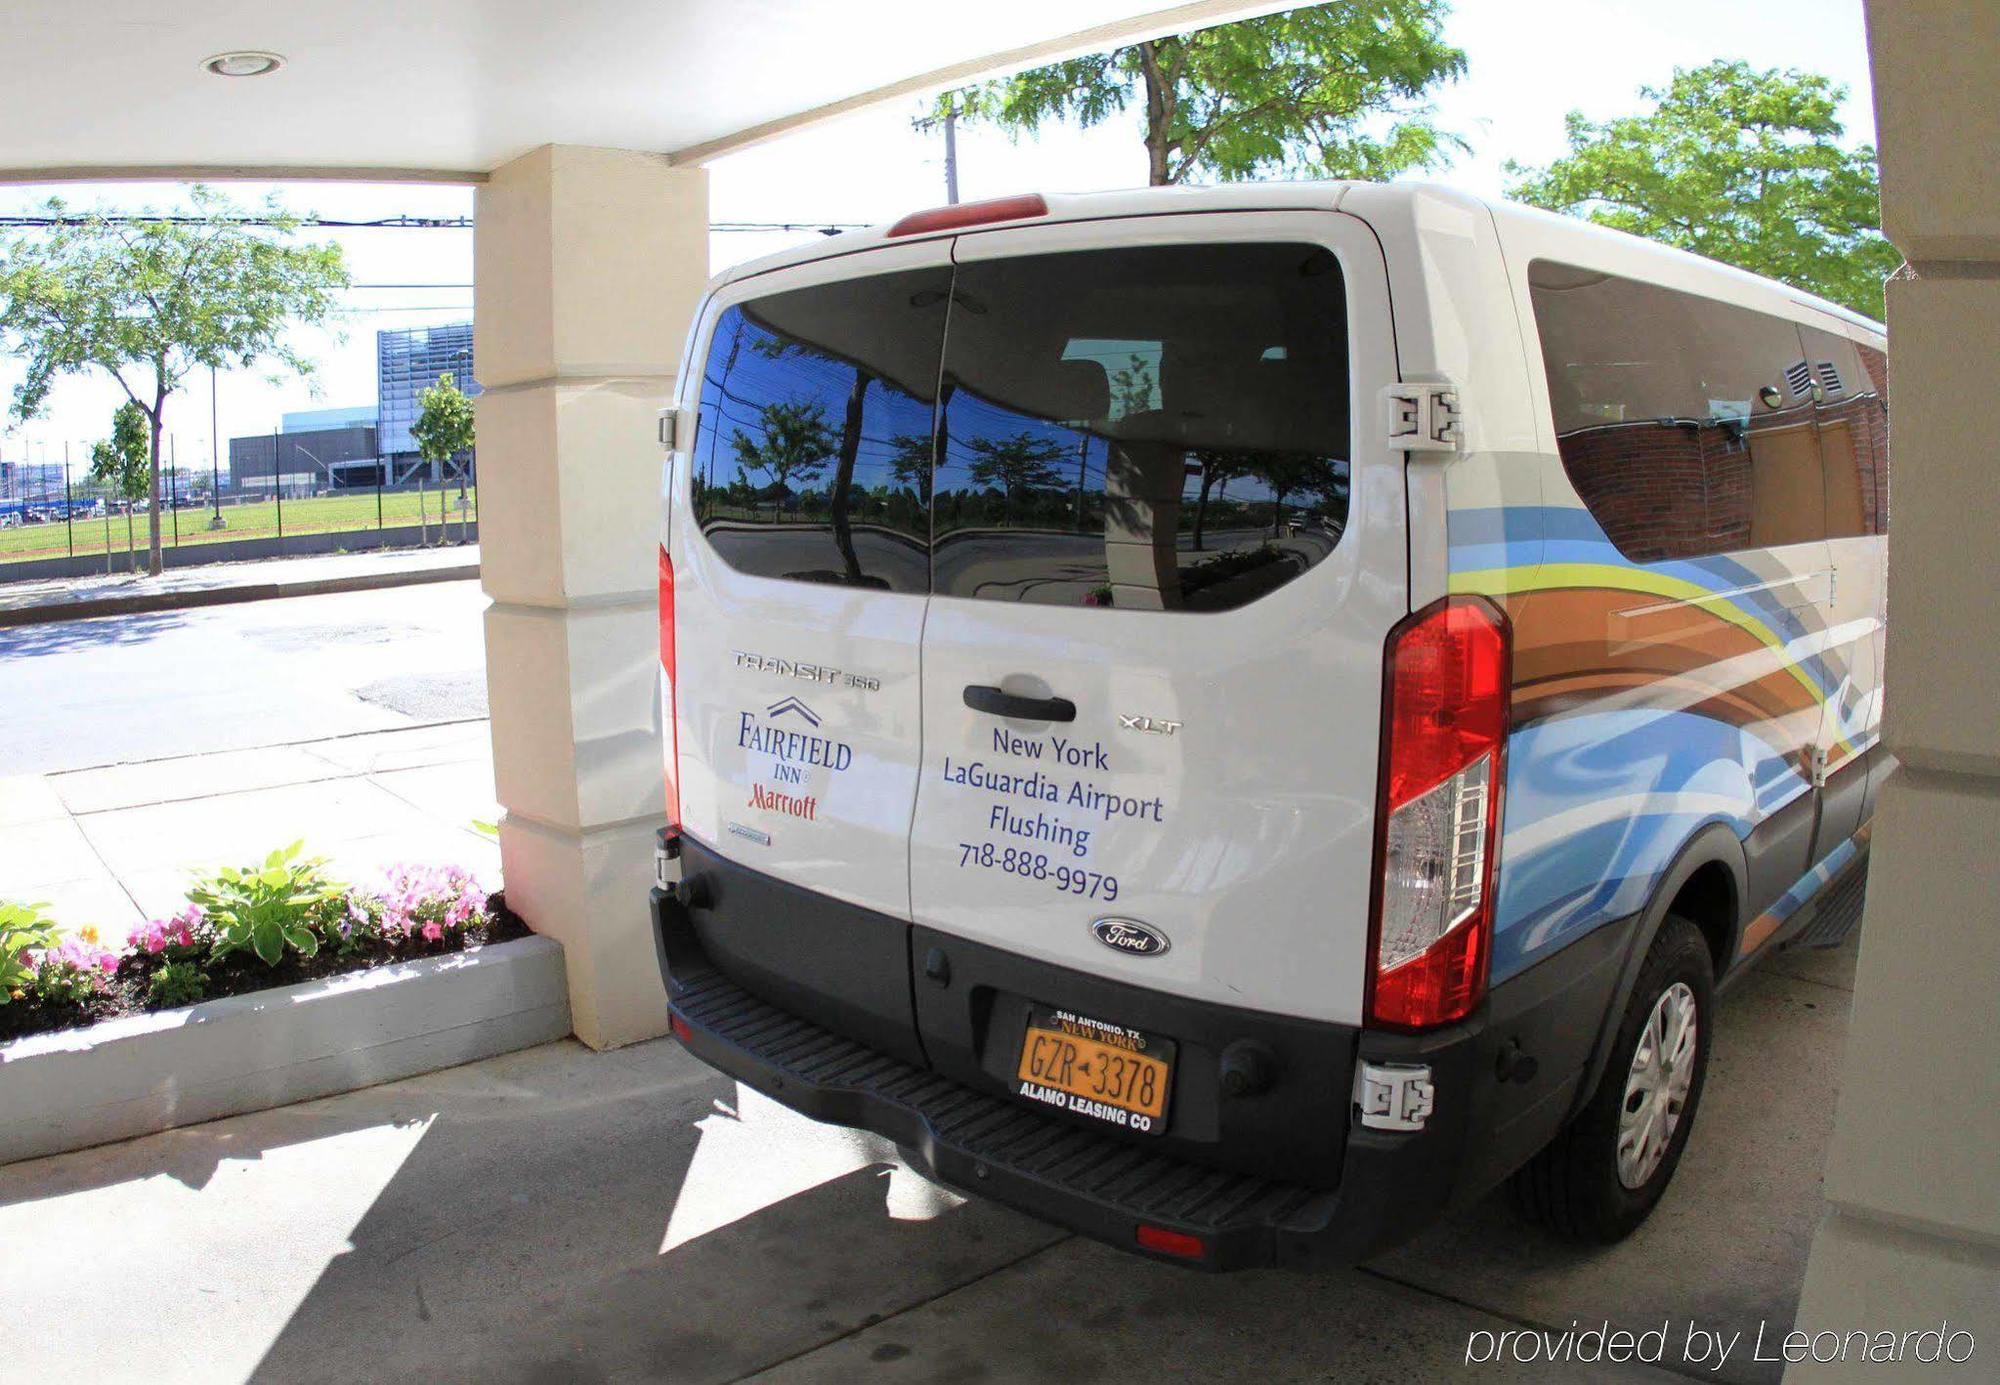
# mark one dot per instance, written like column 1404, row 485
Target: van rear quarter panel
column 1650, row 699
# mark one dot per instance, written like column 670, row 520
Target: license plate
column 1103, row 1071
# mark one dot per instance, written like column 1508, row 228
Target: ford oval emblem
column 1129, row 935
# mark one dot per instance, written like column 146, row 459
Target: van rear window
column 1153, row 428
column 812, row 454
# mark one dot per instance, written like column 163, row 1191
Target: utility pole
column 951, row 154
column 214, row 456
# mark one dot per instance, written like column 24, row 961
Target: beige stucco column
column 588, row 267
column 1912, row 1229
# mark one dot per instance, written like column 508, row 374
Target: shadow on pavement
column 68, row 636
column 521, row 1239
column 562, row 1215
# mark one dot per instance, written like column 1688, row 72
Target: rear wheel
column 1602, row 1175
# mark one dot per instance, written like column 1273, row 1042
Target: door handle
column 981, row 698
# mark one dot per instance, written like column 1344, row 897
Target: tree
column 1018, row 463
column 1332, row 91
column 146, row 302
column 443, row 429
column 1218, row 468
column 120, row 463
column 910, row 463
column 1134, row 389
column 797, row 442
column 1740, row 165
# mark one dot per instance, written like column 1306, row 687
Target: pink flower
column 433, row 932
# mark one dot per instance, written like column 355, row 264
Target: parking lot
column 557, row 1214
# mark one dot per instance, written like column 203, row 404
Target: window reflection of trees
column 1168, row 525
column 788, row 460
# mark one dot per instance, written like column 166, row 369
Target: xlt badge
column 1158, row 726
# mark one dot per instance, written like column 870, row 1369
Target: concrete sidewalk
column 116, row 845
column 81, row 598
column 564, row 1215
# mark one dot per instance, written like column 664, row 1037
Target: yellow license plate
column 1104, row 1072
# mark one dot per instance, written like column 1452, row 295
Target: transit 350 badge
column 1129, row 935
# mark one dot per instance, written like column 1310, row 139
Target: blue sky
column 1531, row 61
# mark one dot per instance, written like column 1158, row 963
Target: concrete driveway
column 559, row 1215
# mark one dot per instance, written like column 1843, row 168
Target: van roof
column 1381, row 199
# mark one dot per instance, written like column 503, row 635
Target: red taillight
column 680, row 1027
column 1175, row 1243
column 1444, row 730
column 1017, row 208
column 670, row 729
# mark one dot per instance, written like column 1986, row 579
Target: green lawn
column 326, row 514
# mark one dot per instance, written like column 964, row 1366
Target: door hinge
column 676, row 430
column 1818, row 756
column 666, row 860
column 1394, row 1096
column 1421, row 417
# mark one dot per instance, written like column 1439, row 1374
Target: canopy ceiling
column 453, row 88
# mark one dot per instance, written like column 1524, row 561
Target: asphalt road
column 142, row 687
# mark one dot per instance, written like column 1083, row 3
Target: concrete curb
column 91, row 607
column 147, row 1073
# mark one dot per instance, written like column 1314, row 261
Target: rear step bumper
column 1385, row 1186
column 1061, row 1173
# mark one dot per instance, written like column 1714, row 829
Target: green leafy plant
column 444, row 426
column 63, row 983
column 24, row 928
column 174, row 985
column 149, row 302
column 1337, row 90
column 267, row 908
column 1751, row 167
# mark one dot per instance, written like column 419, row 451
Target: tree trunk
column 843, row 476
column 154, row 563
column 1159, row 113
column 1201, row 505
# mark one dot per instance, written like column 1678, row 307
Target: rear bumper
column 989, row 1147
column 1385, row 1186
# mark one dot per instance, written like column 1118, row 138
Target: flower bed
column 272, row 924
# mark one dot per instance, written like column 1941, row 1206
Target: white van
column 1234, row 720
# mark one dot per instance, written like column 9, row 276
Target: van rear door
column 801, row 572
column 1169, row 544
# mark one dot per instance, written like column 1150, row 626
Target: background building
column 35, row 480
column 312, row 420
column 305, row 460
column 408, row 361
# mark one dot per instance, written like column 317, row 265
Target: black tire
column 1574, row 1186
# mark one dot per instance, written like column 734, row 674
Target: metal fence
column 57, row 516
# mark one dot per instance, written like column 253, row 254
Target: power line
column 401, row 222
column 46, row 220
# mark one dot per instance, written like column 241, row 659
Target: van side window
column 1153, row 428
column 812, row 455
column 1688, row 426
column 1853, row 416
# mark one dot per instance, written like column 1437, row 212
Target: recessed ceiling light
column 247, row 63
